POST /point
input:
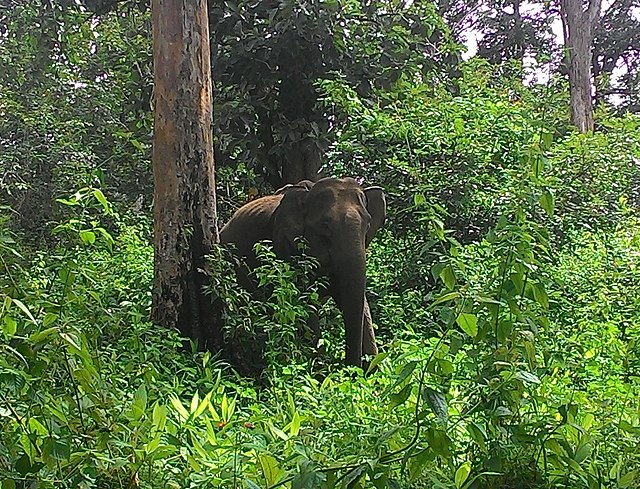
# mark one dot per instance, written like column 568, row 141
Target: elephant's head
column 339, row 219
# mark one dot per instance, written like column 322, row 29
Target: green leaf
column 437, row 403
column 547, row 202
column 177, row 405
column 139, row 404
column 202, row 405
column 308, row 480
column 628, row 480
column 56, row 449
column 477, row 433
column 540, row 295
column 270, row 468
column 294, row 426
column 462, row 474
column 406, row 371
column 159, row 417
column 87, row 237
column 400, row 397
column 153, row 444
column 527, row 377
column 97, row 193
column 195, row 401
column 583, row 452
column 448, row 277
column 9, row 327
column 376, row 360
column 24, row 309
column 469, row 323
column 445, row 298
column 277, row 431
column 194, row 463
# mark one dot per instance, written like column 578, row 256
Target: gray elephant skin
column 339, row 219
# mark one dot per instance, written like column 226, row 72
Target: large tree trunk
column 579, row 27
column 184, row 187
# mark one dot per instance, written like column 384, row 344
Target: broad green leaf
column 462, row 473
column 404, row 374
column 56, row 449
column 8, row 484
column 42, row 335
column 437, row 403
column 277, row 431
column 540, row 295
column 419, row 199
column 87, row 237
column 159, row 416
column 194, row 463
column 448, row 277
column 547, row 202
column 308, row 480
column 477, row 433
column 398, row 398
column 9, row 326
column 469, row 323
column 202, row 405
column 270, row 468
column 628, row 480
column 72, row 340
column 49, row 318
column 583, row 452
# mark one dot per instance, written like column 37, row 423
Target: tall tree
column 616, row 55
column 579, row 22
column 184, row 188
column 269, row 55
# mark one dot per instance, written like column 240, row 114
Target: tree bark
column 184, row 185
column 578, row 26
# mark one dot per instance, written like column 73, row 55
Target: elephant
column 338, row 218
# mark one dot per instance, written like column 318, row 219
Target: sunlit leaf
column 462, row 473
column 468, row 323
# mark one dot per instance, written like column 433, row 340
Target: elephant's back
column 251, row 223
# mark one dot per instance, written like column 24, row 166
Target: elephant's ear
column 377, row 207
column 288, row 220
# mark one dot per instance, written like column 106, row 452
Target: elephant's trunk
column 349, row 285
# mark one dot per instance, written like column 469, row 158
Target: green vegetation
column 505, row 289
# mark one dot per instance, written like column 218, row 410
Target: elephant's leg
column 313, row 323
column 369, row 346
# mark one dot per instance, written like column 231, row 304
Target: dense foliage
column 504, row 289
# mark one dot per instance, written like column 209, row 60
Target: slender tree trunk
column 183, row 167
column 579, row 26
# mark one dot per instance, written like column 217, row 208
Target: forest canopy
column 503, row 285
